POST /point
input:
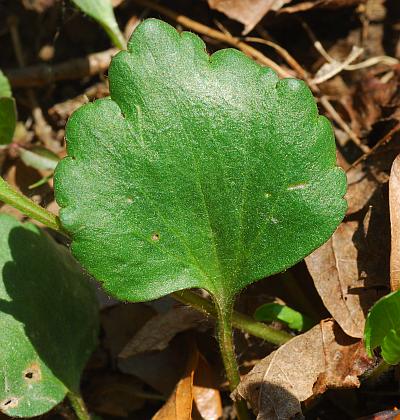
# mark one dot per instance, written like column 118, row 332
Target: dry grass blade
column 77, row 68
column 385, row 139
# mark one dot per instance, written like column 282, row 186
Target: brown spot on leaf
column 33, row 373
column 8, row 403
column 155, row 237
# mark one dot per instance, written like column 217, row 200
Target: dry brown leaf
column 394, row 203
column 179, row 404
column 162, row 369
column 372, row 96
column 205, row 393
column 324, row 357
column 334, row 270
column 161, row 329
column 248, row 12
column 360, row 189
column 349, row 270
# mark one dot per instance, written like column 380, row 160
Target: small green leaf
column 8, row 120
column 276, row 312
column 383, row 326
column 39, row 158
column 199, row 171
column 102, row 11
column 48, row 320
column 5, row 88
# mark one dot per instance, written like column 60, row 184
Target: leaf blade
column 214, row 202
column 49, row 322
column 102, row 12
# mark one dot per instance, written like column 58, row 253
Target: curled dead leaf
column 323, row 357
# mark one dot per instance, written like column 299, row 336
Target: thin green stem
column 78, row 405
column 26, row 206
column 239, row 321
column 225, row 340
column 116, row 36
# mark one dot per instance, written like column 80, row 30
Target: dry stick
column 42, row 129
column 339, row 120
column 43, row 74
column 214, row 33
column 293, row 63
column 385, row 139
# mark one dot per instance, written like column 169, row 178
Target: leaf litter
column 323, row 357
column 357, row 256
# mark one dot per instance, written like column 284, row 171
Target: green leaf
column 102, row 11
column 383, row 326
column 48, row 320
column 276, row 312
column 8, row 111
column 39, row 158
column 8, row 120
column 198, row 171
column 5, row 88
column 391, row 348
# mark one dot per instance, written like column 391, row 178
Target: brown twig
column 342, row 124
column 42, row 129
column 385, row 139
column 293, row 63
column 44, row 74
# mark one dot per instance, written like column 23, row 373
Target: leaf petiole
column 79, row 406
column 227, row 348
column 26, row 206
column 239, row 320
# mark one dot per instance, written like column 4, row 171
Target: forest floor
column 348, row 52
